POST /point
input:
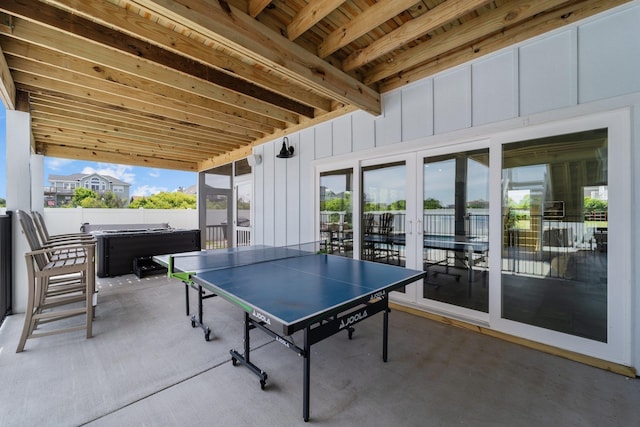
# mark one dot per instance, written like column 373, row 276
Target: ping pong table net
column 182, row 266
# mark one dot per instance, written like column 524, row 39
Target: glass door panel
column 242, row 218
column 455, row 228
column 384, row 198
column 218, row 200
column 555, row 229
column 336, row 211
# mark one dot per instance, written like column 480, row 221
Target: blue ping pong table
column 290, row 289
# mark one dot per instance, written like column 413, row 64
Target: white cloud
column 154, row 173
column 121, row 172
column 56, row 164
column 147, row 190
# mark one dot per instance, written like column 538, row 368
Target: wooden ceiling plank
column 256, row 6
column 135, row 99
column 493, row 21
column 177, row 137
column 7, row 86
column 534, row 27
column 91, row 139
column 53, row 118
column 411, row 30
column 32, row 82
column 230, row 102
column 122, row 82
column 240, row 33
column 369, row 19
column 123, row 114
column 108, row 157
column 135, row 25
column 79, row 26
column 310, row 15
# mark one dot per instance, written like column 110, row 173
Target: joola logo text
column 353, row 319
column 377, row 295
column 261, row 317
column 283, row 341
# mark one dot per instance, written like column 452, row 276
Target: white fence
column 60, row 221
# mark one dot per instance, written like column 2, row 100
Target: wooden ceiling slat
column 150, row 134
column 525, row 30
column 100, row 114
column 310, row 15
column 125, row 19
column 369, row 19
column 237, row 31
column 228, row 102
column 411, row 30
column 113, row 157
column 81, row 27
column 92, row 140
column 494, row 21
column 198, row 83
column 58, row 118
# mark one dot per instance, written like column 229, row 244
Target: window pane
column 336, row 211
column 383, row 213
column 554, row 262
column 456, row 229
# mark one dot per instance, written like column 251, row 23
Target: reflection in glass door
column 336, row 211
column 383, row 213
column 455, row 227
column 217, row 196
column 242, row 218
column 555, row 233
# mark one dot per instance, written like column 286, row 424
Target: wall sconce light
column 286, row 151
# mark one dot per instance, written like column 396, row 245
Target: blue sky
column 144, row 181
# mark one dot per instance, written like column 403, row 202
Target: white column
column 18, row 140
column 37, row 182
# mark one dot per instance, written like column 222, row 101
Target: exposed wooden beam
column 526, row 30
column 411, row 30
column 111, row 157
column 40, row 58
column 125, row 20
column 122, row 117
column 257, row 6
column 181, row 113
column 240, row 33
column 369, row 19
column 103, row 59
column 81, row 27
column 310, row 15
column 494, row 21
column 7, row 86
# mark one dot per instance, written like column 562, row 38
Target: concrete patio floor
column 145, row 365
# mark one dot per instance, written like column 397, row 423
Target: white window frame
column 618, row 346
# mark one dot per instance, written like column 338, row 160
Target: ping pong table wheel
column 263, row 383
column 193, row 323
column 350, row 331
column 234, row 361
column 207, row 334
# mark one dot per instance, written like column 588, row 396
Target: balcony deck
column 145, row 365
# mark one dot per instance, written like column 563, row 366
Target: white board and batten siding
column 588, row 67
column 584, row 62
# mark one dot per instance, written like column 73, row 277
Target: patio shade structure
column 193, row 84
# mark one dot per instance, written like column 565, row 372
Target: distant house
column 62, row 187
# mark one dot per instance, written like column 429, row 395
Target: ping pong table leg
column 385, row 331
column 186, row 296
column 245, row 359
column 307, row 374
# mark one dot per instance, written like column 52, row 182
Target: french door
column 513, row 231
